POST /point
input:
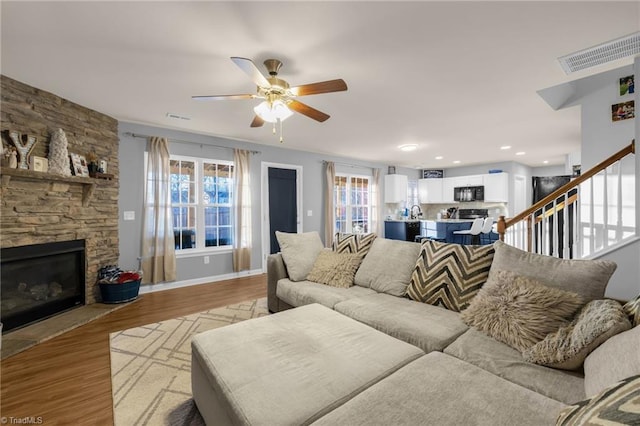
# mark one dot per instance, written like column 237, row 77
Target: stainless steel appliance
column 468, row 193
column 472, row 213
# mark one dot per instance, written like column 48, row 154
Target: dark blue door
column 283, row 204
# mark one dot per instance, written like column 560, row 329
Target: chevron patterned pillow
column 616, row 405
column 449, row 275
column 353, row 243
column 632, row 308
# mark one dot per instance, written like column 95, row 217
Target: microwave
column 468, row 193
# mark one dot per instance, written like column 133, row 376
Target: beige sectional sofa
column 465, row 376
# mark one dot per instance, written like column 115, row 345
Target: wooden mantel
column 89, row 184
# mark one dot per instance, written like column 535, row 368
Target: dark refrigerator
column 543, row 186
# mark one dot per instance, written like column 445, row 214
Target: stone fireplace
column 40, row 280
column 41, row 208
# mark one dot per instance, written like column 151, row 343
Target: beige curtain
column 376, row 204
column 158, row 245
column 330, row 175
column 242, row 240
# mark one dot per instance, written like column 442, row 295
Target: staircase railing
column 590, row 213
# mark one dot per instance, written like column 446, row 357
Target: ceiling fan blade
column 222, row 97
column 251, row 70
column 305, row 109
column 257, row 122
column 322, row 87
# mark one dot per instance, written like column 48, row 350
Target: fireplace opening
column 40, row 280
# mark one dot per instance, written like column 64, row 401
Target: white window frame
column 349, row 206
column 199, row 205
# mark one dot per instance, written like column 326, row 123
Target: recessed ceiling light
column 408, row 147
column 505, row 147
column 546, row 161
column 439, row 157
column 520, row 153
column 178, row 117
column 456, row 161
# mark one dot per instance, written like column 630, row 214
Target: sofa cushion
column 292, row 367
column 306, row 292
column 569, row 346
column 519, row 311
column 449, row 275
column 353, row 243
column 335, row 269
column 437, row 389
column 388, row 266
column 497, row 358
column 632, row 309
column 588, row 278
column 614, row 360
column 617, row 405
column 299, row 252
column 429, row 327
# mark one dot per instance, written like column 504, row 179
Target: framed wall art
column 627, row 85
column 623, row 111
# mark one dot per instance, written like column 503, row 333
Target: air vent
column 177, row 117
column 601, row 54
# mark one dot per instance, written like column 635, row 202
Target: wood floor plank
column 67, row 380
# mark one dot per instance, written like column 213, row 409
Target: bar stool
column 487, row 228
column 473, row 232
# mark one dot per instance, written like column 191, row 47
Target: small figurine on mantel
column 13, row 158
column 58, row 154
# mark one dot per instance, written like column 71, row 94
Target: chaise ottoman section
column 292, row 367
column 438, row 389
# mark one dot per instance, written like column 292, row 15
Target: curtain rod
column 349, row 165
column 138, row 135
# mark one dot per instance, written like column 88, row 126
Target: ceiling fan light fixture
column 271, row 112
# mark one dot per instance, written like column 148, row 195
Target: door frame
column 266, row 239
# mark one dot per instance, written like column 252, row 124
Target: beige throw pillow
column 519, row 311
column 632, row 308
column 299, row 252
column 569, row 346
column 335, row 269
column 449, row 275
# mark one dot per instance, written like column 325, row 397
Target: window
column 352, row 202
column 202, row 203
column 412, row 193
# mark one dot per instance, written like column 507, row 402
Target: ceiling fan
column 279, row 97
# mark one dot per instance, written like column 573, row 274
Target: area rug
column 151, row 366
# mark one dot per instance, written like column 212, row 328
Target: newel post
column 502, row 227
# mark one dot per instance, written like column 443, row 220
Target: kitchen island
column 442, row 230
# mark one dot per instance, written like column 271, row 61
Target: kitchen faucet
column 416, row 215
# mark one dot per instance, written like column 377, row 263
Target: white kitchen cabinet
column 471, row 180
column 496, row 187
column 430, row 191
column 395, row 188
column 447, row 190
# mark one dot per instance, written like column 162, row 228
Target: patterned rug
column 151, row 366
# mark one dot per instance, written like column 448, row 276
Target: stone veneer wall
column 40, row 211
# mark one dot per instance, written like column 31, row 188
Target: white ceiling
column 457, row 78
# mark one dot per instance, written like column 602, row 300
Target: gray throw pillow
column 569, row 346
column 588, row 278
column 519, row 311
column 299, row 252
column 388, row 266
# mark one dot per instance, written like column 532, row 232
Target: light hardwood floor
column 67, row 380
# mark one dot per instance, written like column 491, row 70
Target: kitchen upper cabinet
column 447, row 190
column 496, row 187
column 395, row 188
column 430, row 191
column 471, row 180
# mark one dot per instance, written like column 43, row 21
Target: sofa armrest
column 276, row 270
